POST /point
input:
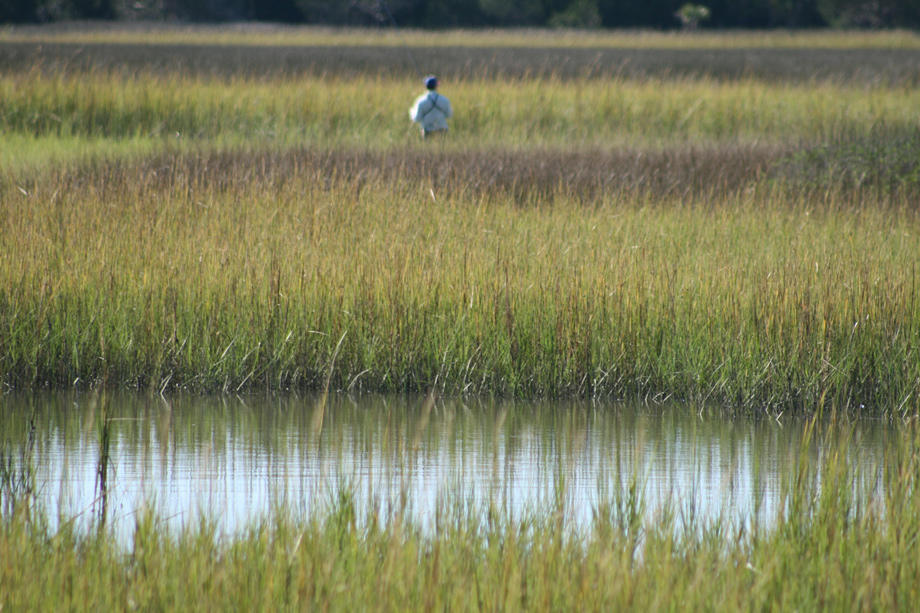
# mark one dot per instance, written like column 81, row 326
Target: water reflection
column 235, row 458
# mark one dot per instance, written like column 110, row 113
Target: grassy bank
column 749, row 241
column 831, row 548
column 220, row 272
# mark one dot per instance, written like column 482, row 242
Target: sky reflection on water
column 234, row 459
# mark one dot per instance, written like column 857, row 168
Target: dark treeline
column 484, row 13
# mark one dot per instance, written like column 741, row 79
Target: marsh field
column 728, row 222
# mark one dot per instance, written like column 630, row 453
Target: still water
column 236, row 459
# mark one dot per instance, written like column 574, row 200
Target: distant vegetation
column 667, row 14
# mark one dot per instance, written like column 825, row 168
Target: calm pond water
column 235, row 458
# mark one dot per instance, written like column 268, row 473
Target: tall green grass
column 828, row 546
column 214, row 273
column 372, row 112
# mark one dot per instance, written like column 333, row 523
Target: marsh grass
column 868, row 58
column 281, row 36
column 645, row 237
column 856, row 66
column 223, row 272
column 18, row 486
column 885, row 161
column 370, row 112
column 827, row 546
column 533, row 176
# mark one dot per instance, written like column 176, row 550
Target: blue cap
column 431, row 82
